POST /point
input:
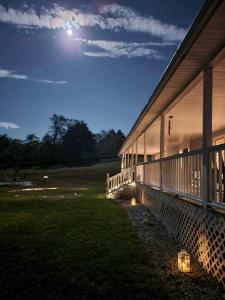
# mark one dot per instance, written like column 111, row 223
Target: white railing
column 217, row 173
column 149, row 173
column 152, row 173
column 182, row 173
column 126, row 176
column 139, row 173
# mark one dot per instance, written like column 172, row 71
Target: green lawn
column 76, row 247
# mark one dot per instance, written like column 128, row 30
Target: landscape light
column 184, row 261
column 133, row 201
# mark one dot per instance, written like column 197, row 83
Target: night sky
column 103, row 73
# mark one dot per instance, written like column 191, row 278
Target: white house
column 175, row 152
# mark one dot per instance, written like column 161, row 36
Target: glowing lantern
column 133, row 201
column 184, row 261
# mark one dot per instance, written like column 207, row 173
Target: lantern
column 133, row 201
column 184, row 262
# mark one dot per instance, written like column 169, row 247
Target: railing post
column 107, row 184
column 207, row 134
column 162, row 121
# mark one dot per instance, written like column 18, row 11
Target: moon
column 69, row 32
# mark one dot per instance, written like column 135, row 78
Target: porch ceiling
column 186, row 110
column 205, row 39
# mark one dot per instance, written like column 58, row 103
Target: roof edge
column 199, row 23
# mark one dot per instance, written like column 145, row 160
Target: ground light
column 133, row 201
column 184, row 262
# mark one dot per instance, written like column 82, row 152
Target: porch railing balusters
column 181, row 173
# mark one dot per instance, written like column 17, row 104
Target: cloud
column 49, row 81
column 11, row 74
column 128, row 19
column 110, row 17
column 115, row 49
column 8, row 125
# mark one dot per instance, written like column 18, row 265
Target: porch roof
column 202, row 46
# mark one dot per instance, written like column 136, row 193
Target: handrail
column 181, row 173
column 190, row 153
column 217, row 147
column 115, row 182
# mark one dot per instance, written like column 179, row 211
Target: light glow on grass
column 33, row 189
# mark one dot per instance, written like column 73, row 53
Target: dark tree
column 5, row 143
column 109, row 142
column 68, row 141
column 31, row 149
column 58, row 128
column 47, row 151
column 78, row 142
column 15, row 153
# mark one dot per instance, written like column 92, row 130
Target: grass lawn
column 54, row 245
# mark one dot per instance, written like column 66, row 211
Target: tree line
column 67, row 142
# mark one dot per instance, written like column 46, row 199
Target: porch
column 183, row 149
column 175, row 152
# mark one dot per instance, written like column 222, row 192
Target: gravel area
column 163, row 250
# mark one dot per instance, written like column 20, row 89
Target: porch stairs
column 120, row 182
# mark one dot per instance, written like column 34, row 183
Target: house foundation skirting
column 201, row 232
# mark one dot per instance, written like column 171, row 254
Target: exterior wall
column 196, row 144
column 171, row 151
column 202, row 233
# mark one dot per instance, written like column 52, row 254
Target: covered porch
column 178, row 142
column 182, row 151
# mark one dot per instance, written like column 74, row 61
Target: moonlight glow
column 69, row 32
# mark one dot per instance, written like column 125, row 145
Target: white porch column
column 145, row 156
column 128, row 155
column 207, row 134
column 162, row 129
column 136, row 152
column 132, row 156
